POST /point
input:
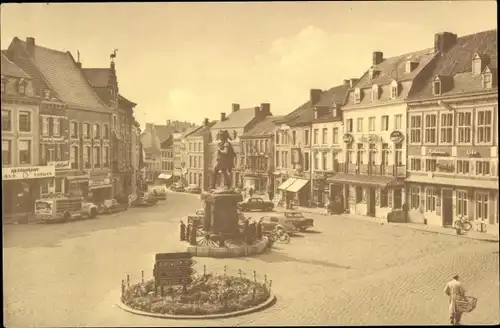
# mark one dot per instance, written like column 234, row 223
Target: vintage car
column 109, row 206
column 298, row 220
column 272, row 223
column 89, row 210
column 255, row 203
column 193, row 189
column 177, row 187
column 159, row 192
column 145, row 200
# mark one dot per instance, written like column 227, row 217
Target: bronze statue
column 225, row 159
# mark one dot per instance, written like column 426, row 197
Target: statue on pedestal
column 225, row 160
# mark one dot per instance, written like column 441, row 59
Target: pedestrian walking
column 456, row 292
column 250, row 191
column 270, row 193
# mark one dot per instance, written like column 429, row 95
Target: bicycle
column 462, row 224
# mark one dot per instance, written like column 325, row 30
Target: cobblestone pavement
column 341, row 273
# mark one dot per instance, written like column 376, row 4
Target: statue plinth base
column 221, row 211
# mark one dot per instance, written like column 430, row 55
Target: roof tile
column 263, row 128
column 10, row 69
column 238, row 119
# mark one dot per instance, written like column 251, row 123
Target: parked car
column 144, row 201
column 177, row 188
column 255, row 203
column 89, row 210
column 276, row 223
column 193, row 189
column 298, row 220
column 109, row 206
column 159, row 192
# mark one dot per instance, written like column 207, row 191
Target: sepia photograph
column 205, row 164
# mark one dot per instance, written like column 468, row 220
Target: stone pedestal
column 221, row 212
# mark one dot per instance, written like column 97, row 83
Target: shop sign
column 445, row 167
column 52, row 140
column 25, row 173
column 60, row 165
column 348, row 138
column 99, row 183
column 396, row 137
column 472, row 152
column 437, row 152
column 369, row 138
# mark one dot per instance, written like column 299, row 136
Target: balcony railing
column 366, row 169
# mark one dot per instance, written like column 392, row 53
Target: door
column 447, row 206
column 371, row 201
column 347, row 197
column 398, row 194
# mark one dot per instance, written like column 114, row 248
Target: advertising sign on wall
column 31, row 172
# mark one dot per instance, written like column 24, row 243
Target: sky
column 190, row 61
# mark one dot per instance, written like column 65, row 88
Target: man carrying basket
column 456, row 292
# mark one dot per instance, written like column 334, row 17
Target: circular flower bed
column 207, row 294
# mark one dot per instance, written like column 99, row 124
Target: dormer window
column 487, row 78
column 374, row 73
column 410, row 66
column 477, row 64
column 315, row 113
column 375, row 92
column 21, row 87
column 47, row 94
column 394, row 90
column 357, row 95
column 436, row 87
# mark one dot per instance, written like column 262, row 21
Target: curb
column 401, row 225
column 270, row 301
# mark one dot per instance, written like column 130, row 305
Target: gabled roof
column 10, row 69
column 163, row 132
column 263, row 128
column 98, row 77
column 167, row 143
column 238, row 119
column 59, row 70
column 126, row 101
column 200, row 132
column 456, row 64
column 305, row 113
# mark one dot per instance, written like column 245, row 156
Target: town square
column 250, row 164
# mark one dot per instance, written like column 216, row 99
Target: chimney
column 205, row 122
column 444, row 41
column 347, row 82
column 378, row 57
column 222, row 117
column 352, row 82
column 315, row 96
column 168, row 122
column 79, row 65
column 149, row 126
column 265, row 109
column 235, row 107
column 30, row 46
column 256, row 111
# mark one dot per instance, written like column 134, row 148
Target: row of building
column 415, row 136
column 66, row 129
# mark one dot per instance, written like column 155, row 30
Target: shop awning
column 297, row 185
column 286, row 184
column 164, row 176
column 372, row 180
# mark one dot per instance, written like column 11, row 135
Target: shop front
column 21, row 188
column 295, row 189
column 374, row 196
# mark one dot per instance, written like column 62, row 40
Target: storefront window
column 482, row 206
column 359, row 194
column 462, row 203
column 430, row 200
column 414, row 198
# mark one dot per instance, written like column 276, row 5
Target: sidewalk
column 490, row 237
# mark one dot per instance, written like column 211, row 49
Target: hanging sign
column 347, row 138
column 396, row 137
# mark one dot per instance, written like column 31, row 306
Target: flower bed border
column 267, row 303
column 228, row 252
